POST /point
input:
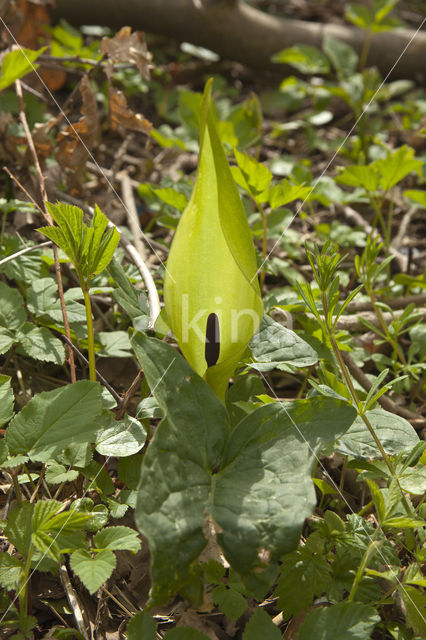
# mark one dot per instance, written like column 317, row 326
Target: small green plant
column 90, row 248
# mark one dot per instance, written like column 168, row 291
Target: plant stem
column 397, row 349
column 264, row 241
column 90, row 336
column 23, row 593
column 366, row 421
column 372, row 548
column 358, row 405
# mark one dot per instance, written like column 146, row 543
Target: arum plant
column 211, row 292
column 89, row 247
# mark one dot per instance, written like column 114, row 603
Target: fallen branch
column 24, row 251
column 239, row 32
column 354, row 324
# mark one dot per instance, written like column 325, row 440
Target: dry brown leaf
column 75, row 141
column 120, row 114
column 128, row 47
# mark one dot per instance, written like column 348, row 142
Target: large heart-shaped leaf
column 254, row 482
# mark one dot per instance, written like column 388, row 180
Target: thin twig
column 403, row 227
column 395, row 303
column 99, row 376
column 23, row 251
column 385, row 402
column 43, row 195
column 122, row 405
column 131, row 211
column 353, row 323
column 80, row 614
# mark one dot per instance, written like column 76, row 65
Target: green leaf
column 19, row 527
column 342, row 621
column 229, row 601
column 117, row 538
column 255, row 484
column 415, row 604
column 275, row 345
column 175, row 474
column 285, row 192
column 120, row 437
column 89, row 247
column 343, row 57
column 56, row 474
column 141, row 627
column 394, row 432
column 6, row 399
column 11, row 570
column 53, row 420
column 114, row 344
column 417, row 196
column 358, row 175
column 259, row 626
column 303, row 575
column 12, row 312
column 93, row 571
column 43, row 511
column 396, row 166
column 42, row 301
column 172, row 197
column 40, row 343
column 7, row 339
column 304, row 58
column 254, row 176
column 17, row 64
column 212, row 269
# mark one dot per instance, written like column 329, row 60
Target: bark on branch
column 239, row 32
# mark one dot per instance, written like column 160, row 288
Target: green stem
column 372, row 548
column 365, row 50
column 23, row 593
column 90, row 335
column 359, row 407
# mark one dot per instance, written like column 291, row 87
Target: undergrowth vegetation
column 256, row 467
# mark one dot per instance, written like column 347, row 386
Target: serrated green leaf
column 43, row 511
column 259, row 626
column 303, row 575
column 6, row 399
column 120, row 438
column 53, row 420
column 40, row 343
column 93, row 571
column 19, row 527
column 11, row 570
column 365, row 176
column 256, row 177
column 303, row 57
column 46, row 545
column 342, row 56
column 42, row 301
column 212, row 269
column 7, row 339
column 394, row 432
column 114, row 344
column 274, row 345
column 117, row 538
column 56, row 474
column 396, row 166
column 342, row 621
column 256, row 484
column 415, row 604
column 285, row 192
column 417, row 196
column 17, row 64
column 172, row 197
column 12, row 312
column 229, row 601
column 141, row 627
